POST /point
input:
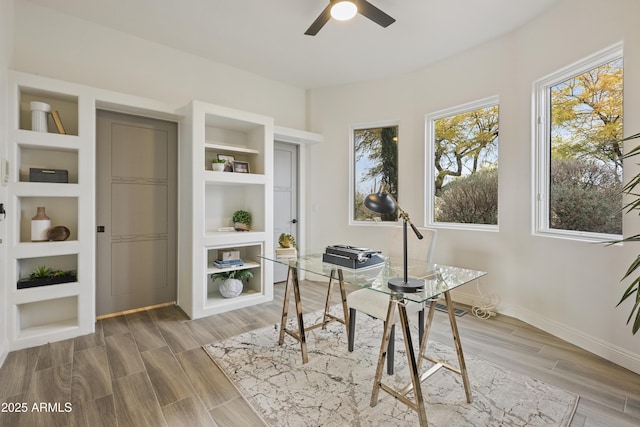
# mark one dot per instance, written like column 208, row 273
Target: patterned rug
column 334, row 387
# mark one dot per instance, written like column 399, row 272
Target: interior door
column 136, row 200
column 285, row 200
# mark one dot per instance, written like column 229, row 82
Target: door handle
column 294, row 221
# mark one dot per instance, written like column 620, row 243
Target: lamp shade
column 380, row 203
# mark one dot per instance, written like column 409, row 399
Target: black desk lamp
column 383, row 203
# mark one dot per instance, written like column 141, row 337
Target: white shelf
column 218, row 304
column 229, row 147
column 63, row 328
column 230, row 238
column 54, row 312
column 24, row 296
column 50, row 141
column 45, row 249
column 45, row 189
column 212, row 197
column 247, row 265
column 233, row 178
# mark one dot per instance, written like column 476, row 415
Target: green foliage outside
column 585, row 195
column 472, row 199
column 466, row 167
column 376, row 158
column 586, row 151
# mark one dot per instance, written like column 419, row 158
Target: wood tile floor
column 148, row 369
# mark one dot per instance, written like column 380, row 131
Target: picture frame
column 230, row 161
column 241, row 167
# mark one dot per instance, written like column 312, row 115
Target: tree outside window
column 579, row 157
column 375, row 152
column 465, row 164
column 586, row 155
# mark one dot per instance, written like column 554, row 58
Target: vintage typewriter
column 352, row 257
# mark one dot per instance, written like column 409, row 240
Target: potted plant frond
column 230, row 282
column 632, row 189
column 44, row 276
column 218, row 165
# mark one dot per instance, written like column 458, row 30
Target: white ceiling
column 266, row 37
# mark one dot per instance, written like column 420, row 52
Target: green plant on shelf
column 44, row 272
column 241, row 220
column 286, row 240
column 239, row 274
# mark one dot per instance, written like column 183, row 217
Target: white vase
column 40, row 224
column 219, row 167
column 39, row 111
column 230, row 288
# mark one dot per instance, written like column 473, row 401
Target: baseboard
column 4, row 354
column 606, row 350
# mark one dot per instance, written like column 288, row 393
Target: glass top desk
column 438, row 280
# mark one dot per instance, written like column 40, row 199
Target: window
column 579, row 156
column 375, row 161
column 462, row 165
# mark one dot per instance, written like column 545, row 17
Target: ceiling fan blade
column 322, row 19
column 368, row 10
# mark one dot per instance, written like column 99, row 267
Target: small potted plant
column 230, row 282
column 287, row 241
column 287, row 246
column 218, row 165
column 241, row 220
column 43, row 276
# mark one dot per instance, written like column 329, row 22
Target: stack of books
column 286, row 252
column 228, row 263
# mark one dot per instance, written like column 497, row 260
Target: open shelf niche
column 212, row 130
column 62, row 159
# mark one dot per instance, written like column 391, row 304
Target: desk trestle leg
column 417, row 404
column 299, row 335
column 292, row 282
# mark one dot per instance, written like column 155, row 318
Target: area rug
column 334, row 387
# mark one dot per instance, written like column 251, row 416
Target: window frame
column 541, row 147
column 352, row 170
column 430, row 129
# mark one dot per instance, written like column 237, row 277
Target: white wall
column 55, row 45
column 566, row 287
column 6, row 40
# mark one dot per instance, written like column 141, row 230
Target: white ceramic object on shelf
column 39, row 111
column 230, row 288
column 40, row 224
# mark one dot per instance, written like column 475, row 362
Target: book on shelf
column 286, row 252
column 228, row 263
column 56, row 119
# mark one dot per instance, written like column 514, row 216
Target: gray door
column 136, row 170
column 285, row 200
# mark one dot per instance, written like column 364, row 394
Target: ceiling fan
column 343, row 10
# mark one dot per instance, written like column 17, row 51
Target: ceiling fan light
column 344, row 10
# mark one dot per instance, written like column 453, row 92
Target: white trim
column 352, row 178
column 540, row 135
column 302, row 139
column 567, row 333
column 429, row 136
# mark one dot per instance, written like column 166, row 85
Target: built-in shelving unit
column 52, row 312
column 210, row 198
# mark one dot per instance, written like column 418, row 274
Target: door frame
column 302, row 139
column 138, row 108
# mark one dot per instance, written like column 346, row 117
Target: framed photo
column 241, row 167
column 230, row 160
